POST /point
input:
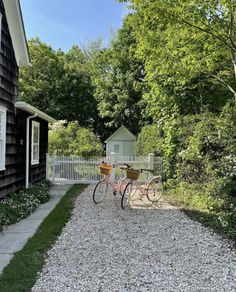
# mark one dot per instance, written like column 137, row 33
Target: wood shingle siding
column 12, row 177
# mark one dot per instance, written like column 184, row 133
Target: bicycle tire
column 155, row 189
column 122, row 184
column 100, row 191
column 126, row 195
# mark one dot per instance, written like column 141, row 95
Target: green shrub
column 19, row 205
column 200, row 159
column 73, row 140
column 150, row 140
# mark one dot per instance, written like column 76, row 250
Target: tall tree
column 186, row 59
column 40, row 83
column 76, row 101
column 60, row 84
column 118, row 80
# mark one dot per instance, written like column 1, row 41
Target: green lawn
column 21, row 273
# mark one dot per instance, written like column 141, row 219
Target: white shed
column 121, row 142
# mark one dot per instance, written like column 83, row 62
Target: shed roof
column 17, row 31
column 118, row 131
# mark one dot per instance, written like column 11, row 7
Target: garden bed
column 19, row 205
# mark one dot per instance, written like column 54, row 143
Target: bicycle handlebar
column 126, row 166
column 144, row 169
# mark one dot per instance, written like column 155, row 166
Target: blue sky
column 64, row 23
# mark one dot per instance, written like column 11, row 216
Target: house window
column 2, row 137
column 116, row 148
column 35, row 143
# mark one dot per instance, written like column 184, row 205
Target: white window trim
column 3, row 111
column 37, row 125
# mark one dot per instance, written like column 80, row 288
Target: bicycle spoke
column 155, row 189
column 100, row 191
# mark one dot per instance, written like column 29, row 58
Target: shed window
column 2, row 137
column 35, row 143
column 116, row 148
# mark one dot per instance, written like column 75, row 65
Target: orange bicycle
column 152, row 189
column 102, row 187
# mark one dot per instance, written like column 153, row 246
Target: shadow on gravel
column 144, row 203
column 211, row 221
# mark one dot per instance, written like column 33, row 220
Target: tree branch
column 223, row 83
column 179, row 19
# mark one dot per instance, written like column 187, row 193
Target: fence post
column 113, row 158
column 47, row 165
column 53, row 168
column 151, row 161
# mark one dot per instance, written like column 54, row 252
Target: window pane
column 1, row 153
column 35, row 152
column 36, row 134
column 1, row 124
column 116, row 147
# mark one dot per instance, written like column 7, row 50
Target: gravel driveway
column 105, row 248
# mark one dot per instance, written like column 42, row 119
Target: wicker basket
column 132, row 174
column 105, row 169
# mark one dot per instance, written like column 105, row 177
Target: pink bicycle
column 102, row 187
column 152, row 188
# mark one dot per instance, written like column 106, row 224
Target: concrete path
column 15, row 236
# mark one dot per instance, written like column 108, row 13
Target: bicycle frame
column 143, row 189
column 117, row 186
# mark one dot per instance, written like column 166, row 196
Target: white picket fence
column 71, row 170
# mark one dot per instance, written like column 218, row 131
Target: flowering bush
column 21, row 204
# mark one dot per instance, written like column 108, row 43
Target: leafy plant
column 72, row 140
column 21, row 204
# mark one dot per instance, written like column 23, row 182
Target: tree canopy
column 188, row 68
column 118, row 81
column 70, row 139
column 59, row 83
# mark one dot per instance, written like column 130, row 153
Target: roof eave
column 33, row 110
column 17, row 31
column 117, row 131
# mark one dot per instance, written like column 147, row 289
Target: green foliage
column 217, row 211
column 150, row 140
column 76, row 100
column 39, row 84
column 60, row 84
column 209, row 152
column 188, row 66
column 73, row 140
column 118, row 81
column 21, row 204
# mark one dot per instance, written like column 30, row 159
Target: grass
column 22, row 271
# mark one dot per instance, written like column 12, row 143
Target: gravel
column 146, row 248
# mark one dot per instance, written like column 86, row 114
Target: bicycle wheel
column 126, row 195
column 155, row 189
column 122, row 184
column 100, row 191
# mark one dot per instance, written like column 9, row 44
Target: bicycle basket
column 105, row 169
column 132, row 174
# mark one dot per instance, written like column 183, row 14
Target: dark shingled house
column 23, row 128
